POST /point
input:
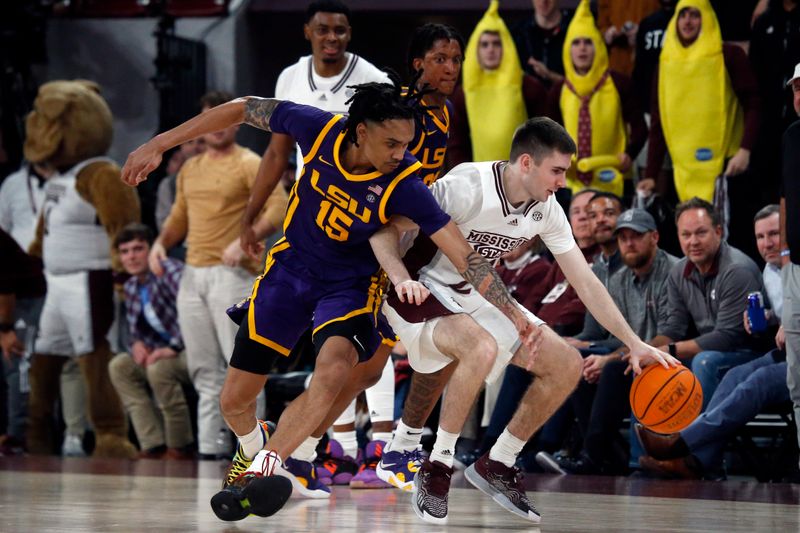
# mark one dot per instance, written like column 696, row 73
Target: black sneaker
column 431, row 487
column 251, row 493
column 504, row 485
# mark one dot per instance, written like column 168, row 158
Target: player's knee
column 484, row 353
column 230, row 403
column 369, row 379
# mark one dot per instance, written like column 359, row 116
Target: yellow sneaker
column 240, row 463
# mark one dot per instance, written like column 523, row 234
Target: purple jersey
column 430, row 143
column 332, row 213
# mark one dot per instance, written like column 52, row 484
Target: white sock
column 265, row 462
column 307, row 451
column 348, row 441
column 253, row 441
column 405, row 438
column 445, row 447
column 506, row 449
column 383, row 436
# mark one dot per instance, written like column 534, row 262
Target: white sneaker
column 72, row 446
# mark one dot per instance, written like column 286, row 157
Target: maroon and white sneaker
column 429, row 495
column 504, row 485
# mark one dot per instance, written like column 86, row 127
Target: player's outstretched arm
column 386, row 247
column 482, row 275
column 249, row 109
column 597, row 300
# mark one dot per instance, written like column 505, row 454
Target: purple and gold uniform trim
column 280, row 245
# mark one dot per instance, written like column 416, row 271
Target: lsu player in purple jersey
column 358, row 174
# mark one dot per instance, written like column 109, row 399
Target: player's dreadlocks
column 378, row 102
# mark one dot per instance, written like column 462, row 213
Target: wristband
column 786, row 252
column 673, row 351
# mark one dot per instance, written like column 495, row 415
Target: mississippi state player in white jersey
column 497, row 206
column 322, row 80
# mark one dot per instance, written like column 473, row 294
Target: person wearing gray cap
column 601, row 399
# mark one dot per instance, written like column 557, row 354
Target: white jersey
column 474, row 197
column 73, row 238
column 299, row 83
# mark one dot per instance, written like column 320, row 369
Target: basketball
column 666, row 400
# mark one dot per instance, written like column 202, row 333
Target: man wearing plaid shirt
column 157, row 358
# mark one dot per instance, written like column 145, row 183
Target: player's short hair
column 326, row 6
column 215, row 98
column 134, row 231
column 378, row 102
column 539, row 137
column 698, row 203
column 766, row 212
column 610, row 195
column 426, row 36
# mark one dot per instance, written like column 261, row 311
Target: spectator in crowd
column 597, row 107
column 745, row 391
column 618, row 21
column 601, row 400
column 708, row 293
column 212, row 190
column 156, row 359
column 706, row 112
column 774, row 51
column 495, row 96
column 540, row 40
column 602, row 211
column 790, row 250
column 22, row 289
column 522, row 268
column 553, row 299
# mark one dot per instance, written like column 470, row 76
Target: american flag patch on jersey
column 377, row 189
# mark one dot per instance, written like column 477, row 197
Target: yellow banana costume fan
column 495, row 107
column 701, row 118
column 607, row 136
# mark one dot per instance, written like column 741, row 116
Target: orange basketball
column 666, row 400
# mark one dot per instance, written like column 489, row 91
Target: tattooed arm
column 481, row 275
column 249, row 110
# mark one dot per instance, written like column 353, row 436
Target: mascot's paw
column 113, row 446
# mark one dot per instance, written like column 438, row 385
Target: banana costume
column 495, row 106
column 701, row 118
column 606, row 131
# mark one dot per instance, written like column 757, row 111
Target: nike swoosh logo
column 323, row 160
column 355, row 338
column 432, row 132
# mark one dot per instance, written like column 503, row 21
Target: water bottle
column 755, row 312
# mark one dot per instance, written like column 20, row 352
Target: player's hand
column 139, row 353
column 531, row 336
column 780, row 338
column 248, row 242
column 593, row 366
column 233, row 254
column 11, row 345
column 140, row 163
column 642, row 355
column 412, row 291
column 160, row 353
column 738, row 163
column 157, row 255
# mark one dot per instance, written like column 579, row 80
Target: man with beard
column 211, row 192
column 601, row 400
